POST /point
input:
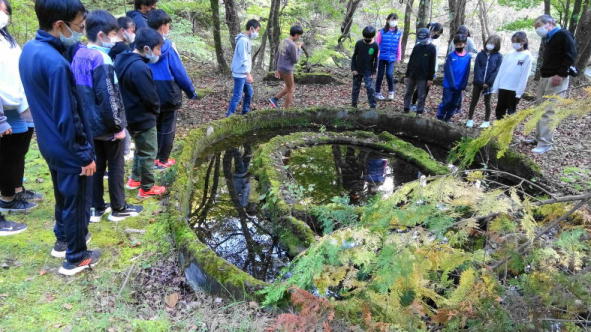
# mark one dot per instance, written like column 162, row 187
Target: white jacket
column 12, row 93
column 514, row 73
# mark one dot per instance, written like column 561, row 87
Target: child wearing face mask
column 126, row 36
column 512, row 78
column 420, row 70
column 103, row 109
column 488, row 62
column 389, row 41
column 142, row 107
column 435, row 31
column 363, row 66
column 455, row 78
column 171, row 78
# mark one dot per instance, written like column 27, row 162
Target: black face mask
column 367, row 41
column 459, row 49
column 435, row 37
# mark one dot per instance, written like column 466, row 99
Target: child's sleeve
column 180, row 74
column 432, row 62
column 108, row 97
column 354, row 58
column 4, row 125
column 524, row 77
column 145, row 83
column 495, row 71
column 374, row 59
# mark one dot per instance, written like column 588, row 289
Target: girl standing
column 512, row 77
column 388, row 39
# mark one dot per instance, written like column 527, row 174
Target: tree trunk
column 457, row 16
column 576, row 15
column 407, row 17
column 483, row 17
column 232, row 21
column 423, row 13
column 217, row 37
column 566, row 14
column 260, row 53
column 583, row 41
column 537, row 74
column 274, row 32
column 347, row 22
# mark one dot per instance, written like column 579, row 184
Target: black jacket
column 120, row 47
column 365, row 57
column 140, row 97
column 486, row 68
column 560, row 53
column 421, row 65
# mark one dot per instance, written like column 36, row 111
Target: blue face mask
column 73, row 39
column 152, row 58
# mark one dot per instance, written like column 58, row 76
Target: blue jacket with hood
column 171, row 77
column 456, row 71
column 63, row 133
column 140, row 19
column 486, row 68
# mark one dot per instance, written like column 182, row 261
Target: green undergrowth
column 33, row 296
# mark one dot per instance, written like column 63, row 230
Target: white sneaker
column 391, row 95
column 542, row 149
column 485, row 124
column 413, row 108
column 470, row 123
column 380, row 96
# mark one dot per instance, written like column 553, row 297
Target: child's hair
column 147, row 37
column 252, row 24
column 4, row 31
column 296, row 30
column 460, row 38
column 125, row 22
column 435, row 27
column 463, row 30
column 138, row 3
column 495, row 40
column 369, row 32
column 521, row 37
column 392, row 16
column 100, row 20
column 51, row 11
column 158, row 18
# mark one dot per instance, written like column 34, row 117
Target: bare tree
column 347, row 22
column 457, row 16
column 407, row 17
column 232, row 20
column 583, row 40
column 217, row 37
column 575, row 16
column 423, row 13
column 274, row 31
column 483, row 17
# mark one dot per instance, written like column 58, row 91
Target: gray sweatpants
column 544, row 134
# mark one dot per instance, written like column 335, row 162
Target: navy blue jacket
column 171, row 77
column 99, row 91
column 140, row 20
column 486, row 68
column 62, row 131
column 140, row 97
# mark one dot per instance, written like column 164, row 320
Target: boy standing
column 170, row 78
column 101, row 101
column 420, row 71
column 140, row 14
column 63, row 135
column 142, row 107
column 286, row 58
column 364, row 66
column 241, row 67
column 455, row 78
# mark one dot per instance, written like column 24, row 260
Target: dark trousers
column 415, row 95
column 72, row 211
column 477, row 90
column 146, row 146
column 166, row 127
column 421, row 89
column 13, row 149
column 109, row 154
column 449, row 103
column 385, row 67
column 506, row 103
column 368, row 80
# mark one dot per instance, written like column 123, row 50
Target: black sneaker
column 29, row 196
column 91, row 258
column 96, row 214
column 59, row 248
column 128, row 211
column 16, row 205
column 10, row 228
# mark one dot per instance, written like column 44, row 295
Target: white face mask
column 490, row 47
column 73, row 39
column 254, row 35
column 149, row 54
column 109, row 43
column 130, row 37
column 4, row 19
column 517, row 46
column 393, row 23
column 542, row 31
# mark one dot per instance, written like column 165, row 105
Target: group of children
column 493, row 74
column 86, row 101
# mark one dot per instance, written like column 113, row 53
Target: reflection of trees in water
column 209, row 195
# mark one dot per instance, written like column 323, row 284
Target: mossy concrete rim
column 217, row 274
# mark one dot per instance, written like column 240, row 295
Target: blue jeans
column 240, row 86
column 387, row 67
column 357, row 79
column 448, row 105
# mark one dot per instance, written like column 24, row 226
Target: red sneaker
column 154, row 191
column 160, row 165
column 132, row 184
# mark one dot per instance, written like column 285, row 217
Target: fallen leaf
column 68, row 306
column 172, row 299
column 42, row 272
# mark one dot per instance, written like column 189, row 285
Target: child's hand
column 89, row 169
column 277, row 75
column 355, row 73
column 120, row 135
column 556, row 80
column 485, row 86
column 249, row 78
column 429, row 83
